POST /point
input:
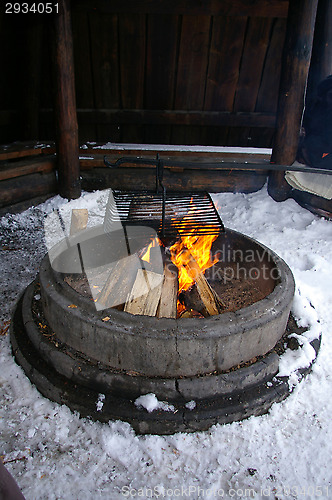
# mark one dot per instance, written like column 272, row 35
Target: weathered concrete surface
column 161, row 347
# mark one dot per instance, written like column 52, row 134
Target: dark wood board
column 191, row 73
column 105, row 68
column 162, row 44
column 83, row 75
column 132, row 53
column 253, row 57
column 264, row 8
column 267, row 99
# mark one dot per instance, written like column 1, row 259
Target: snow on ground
column 53, row 454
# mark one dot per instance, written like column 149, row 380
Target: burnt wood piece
column 168, row 299
column 210, row 299
column 259, row 8
column 294, row 73
column 192, row 301
column 65, row 106
column 145, row 294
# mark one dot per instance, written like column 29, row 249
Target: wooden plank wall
column 169, row 72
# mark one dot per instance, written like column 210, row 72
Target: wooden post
column 65, row 106
column 294, row 73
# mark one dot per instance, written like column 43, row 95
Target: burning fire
column 198, row 247
column 191, row 245
column 147, row 254
column 191, row 253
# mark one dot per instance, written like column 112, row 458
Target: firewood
column 79, row 220
column 191, row 300
column 119, row 282
column 167, row 307
column 210, row 298
column 145, row 294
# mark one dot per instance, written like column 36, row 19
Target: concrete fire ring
column 67, row 378
column 226, row 364
column 162, row 347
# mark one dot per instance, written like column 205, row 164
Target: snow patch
column 191, row 405
column 150, row 403
column 100, row 402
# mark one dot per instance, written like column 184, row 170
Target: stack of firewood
column 139, row 290
column 138, row 287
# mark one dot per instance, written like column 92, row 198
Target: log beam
column 65, row 106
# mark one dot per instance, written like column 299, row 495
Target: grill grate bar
column 170, row 216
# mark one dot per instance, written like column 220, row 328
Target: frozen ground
column 53, row 454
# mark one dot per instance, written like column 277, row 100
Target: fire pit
column 117, row 314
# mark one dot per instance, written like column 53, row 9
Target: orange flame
column 147, row 254
column 199, row 247
column 189, row 245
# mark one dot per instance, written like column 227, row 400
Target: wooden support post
column 294, row 73
column 65, row 106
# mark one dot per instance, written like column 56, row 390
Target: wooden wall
column 151, row 71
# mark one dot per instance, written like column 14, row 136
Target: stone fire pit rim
column 282, row 293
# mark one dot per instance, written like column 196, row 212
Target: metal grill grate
column 170, row 215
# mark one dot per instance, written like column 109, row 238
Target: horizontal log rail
column 173, row 160
column 171, row 117
column 17, row 150
column 233, row 170
column 42, row 165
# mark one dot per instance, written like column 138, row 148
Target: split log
column 145, row 294
column 210, row 298
column 192, row 301
column 79, row 220
column 167, row 307
column 119, row 282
